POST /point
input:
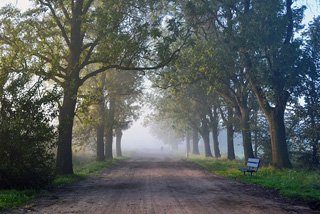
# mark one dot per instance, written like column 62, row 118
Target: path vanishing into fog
column 160, row 183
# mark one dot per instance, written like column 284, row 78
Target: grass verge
column 291, row 183
column 11, row 199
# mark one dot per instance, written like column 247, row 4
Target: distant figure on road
column 161, row 148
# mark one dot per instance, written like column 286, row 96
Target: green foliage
column 291, row 183
column 14, row 198
column 26, row 137
column 94, row 105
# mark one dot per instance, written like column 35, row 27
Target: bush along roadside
column 291, row 183
column 11, row 199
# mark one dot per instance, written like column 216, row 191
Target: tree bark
column 230, row 134
column 275, row 116
column 204, row 132
column 102, row 120
column 109, row 142
column 188, row 143
column 242, row 110
column 280, row 156
column 66, row 117
column 70, row 90
column 195, row 142
column 206, row 141
column 109, row 130
column 215, row 133
column 118, row 142
column 246, row 133
column 100, row 143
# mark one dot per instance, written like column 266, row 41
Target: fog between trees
column 235, row 65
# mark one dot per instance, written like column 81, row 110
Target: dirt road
column 161, row 184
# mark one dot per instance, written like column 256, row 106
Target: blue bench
column 253, row 165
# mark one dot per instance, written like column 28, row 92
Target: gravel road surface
column 161, row 184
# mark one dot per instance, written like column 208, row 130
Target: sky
column 313, row 6
column 138, row 137
column 22, row 4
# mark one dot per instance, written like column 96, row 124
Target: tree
column 126, row 112
column 309, row 112
column 274, row 75
column 214, row 63
column 26, row 109
column 259, row 38
column 68, row 38
column 124, row 90
column 229, row 121
column 187, row 105
column 113, row 92
column 195, row 141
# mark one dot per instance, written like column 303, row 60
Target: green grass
column 11, row 199
column 15, row 198
column 291, row 183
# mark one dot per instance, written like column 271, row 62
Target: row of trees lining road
column 109, row 104
column 238, row 64
column 249, row 54
column 70, row 42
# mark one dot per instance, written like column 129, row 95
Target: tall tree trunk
column 215, row 133
column 66, row 117
column 109, row 130
column 118, row 142
column 102, row 120
column 280, row 156
column 70, row 92
column 100, row 143
column 187, row 143
column 215, row 141
column 242, row 110
column 275, row 116
column 195, row 141
column 230, row 134
column 109, row 142
column 188, row 140
column 206, row 141
column 230, row 144
column 246, row 133
column 204, row 132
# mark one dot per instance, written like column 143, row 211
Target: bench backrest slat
column 254, row 160
column 255, row 165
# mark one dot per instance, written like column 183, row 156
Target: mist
column 138, row 138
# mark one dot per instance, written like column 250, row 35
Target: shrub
column 26, row 137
